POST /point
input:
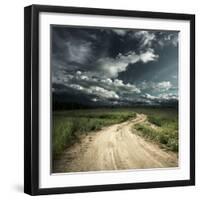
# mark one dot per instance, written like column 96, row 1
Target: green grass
column 68, row 125
column 167, row 132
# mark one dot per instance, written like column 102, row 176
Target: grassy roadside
column 68, row 125
column 165, row 133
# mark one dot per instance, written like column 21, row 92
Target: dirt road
column 114, row 148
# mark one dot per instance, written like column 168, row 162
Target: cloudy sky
column 101, row 66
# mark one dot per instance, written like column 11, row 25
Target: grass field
column 165, row 129
column 68, row 125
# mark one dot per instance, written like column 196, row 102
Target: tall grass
column 68, row 125
column 166, row 134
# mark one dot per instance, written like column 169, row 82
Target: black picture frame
column 31, row 98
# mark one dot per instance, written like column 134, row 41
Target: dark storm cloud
column 114, row 66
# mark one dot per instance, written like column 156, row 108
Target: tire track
column 115, row 148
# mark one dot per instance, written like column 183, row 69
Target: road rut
column 116, row 147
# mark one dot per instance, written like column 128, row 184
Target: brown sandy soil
column 114, row 148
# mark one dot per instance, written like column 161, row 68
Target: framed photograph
column 109, row 100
